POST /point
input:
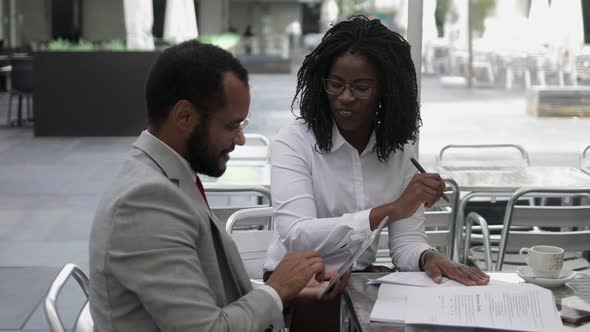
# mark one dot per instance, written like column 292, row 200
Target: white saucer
column 565, row 275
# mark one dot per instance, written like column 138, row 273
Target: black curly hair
column 399, row 116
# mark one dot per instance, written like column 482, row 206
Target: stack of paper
column 392, row 298
column 412, row 298
column 419, row 279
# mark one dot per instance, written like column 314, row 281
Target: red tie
column 202, row 190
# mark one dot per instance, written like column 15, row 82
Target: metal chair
column 585, row 160
column 480, row 157
column 487, row 232
column 483, row 156
column 474, row 218
column 574, row 218
column 257, row 148
column 252, row 245
column 440, row 223
column 83, row 322
column 227, row 199
column 516, row 67
column 21, row 81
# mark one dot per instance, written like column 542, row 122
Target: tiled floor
column 49, row 187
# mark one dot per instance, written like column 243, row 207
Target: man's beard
column 200, row 156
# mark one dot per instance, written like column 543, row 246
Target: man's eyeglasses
column 360, row 90
column 240, row 127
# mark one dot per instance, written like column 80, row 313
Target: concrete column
column 414, row 34
column 213, row 16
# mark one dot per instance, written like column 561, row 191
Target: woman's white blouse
column 322, row 200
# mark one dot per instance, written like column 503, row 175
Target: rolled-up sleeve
column 407, row 241
column 407, row 237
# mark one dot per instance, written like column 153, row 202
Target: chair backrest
column 83, row 322
column 21, row 75
column 576, row 217
column 440, row 222
column 483, row 156
column 227, row 199
column 585, row 160
column 245, row 215
column 255, row 149
column 252, row 245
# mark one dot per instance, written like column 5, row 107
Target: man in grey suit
column 159, row 259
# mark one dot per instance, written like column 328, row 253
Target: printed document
column 522, row 307
column 391, row 304
column 419, row 279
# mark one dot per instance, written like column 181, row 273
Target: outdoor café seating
column 253, row 244
column 585, row 160
column 83, row 322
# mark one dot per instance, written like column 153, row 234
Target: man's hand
column 294, row 272
column 314, row 288
column 424, row 189
column 437, row 265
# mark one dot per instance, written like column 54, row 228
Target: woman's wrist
column 424, row 257
column 377, row 214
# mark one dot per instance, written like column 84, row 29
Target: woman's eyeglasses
column 360, row 90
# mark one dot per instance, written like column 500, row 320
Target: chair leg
column 30, row 108
column 19, row 118
column 9, row 114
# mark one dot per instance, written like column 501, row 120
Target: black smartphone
column 574, row 315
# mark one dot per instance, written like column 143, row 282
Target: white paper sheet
column 419, row 279
column 522, row 307
column 391, row 304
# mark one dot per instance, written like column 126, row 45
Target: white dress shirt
column 271, row 291
column 322, row 200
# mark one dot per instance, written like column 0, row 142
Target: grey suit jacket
column 160, row 261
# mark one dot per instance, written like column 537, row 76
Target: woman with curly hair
column 344, row 164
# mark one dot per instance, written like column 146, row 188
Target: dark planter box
column 90, row 93
column 265, row 64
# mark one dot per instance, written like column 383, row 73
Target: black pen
column 422, row 170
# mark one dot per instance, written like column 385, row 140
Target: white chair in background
column 585, row 160
column 485, row 238
column 528, row 225
column 517, row 67
column 83, row 322
column 257, row 149
column 572, row 222
column 226, row 199
column 252, row 244
column 440, row 223
column 483, row 156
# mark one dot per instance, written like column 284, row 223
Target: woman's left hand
column 436, row 265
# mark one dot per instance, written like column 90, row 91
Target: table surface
column 361, row 297
column 509, row 179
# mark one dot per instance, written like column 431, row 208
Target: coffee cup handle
column 522, row 252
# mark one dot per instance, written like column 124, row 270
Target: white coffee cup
column 545, row 261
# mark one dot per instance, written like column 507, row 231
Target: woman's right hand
column 424, row 189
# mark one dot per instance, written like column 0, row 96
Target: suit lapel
column 171, row 167
column 176, row 172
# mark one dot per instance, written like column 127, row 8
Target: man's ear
column 185, row 115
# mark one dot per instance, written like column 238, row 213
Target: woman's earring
column 378, row 115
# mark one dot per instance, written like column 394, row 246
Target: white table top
column 510, row 179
